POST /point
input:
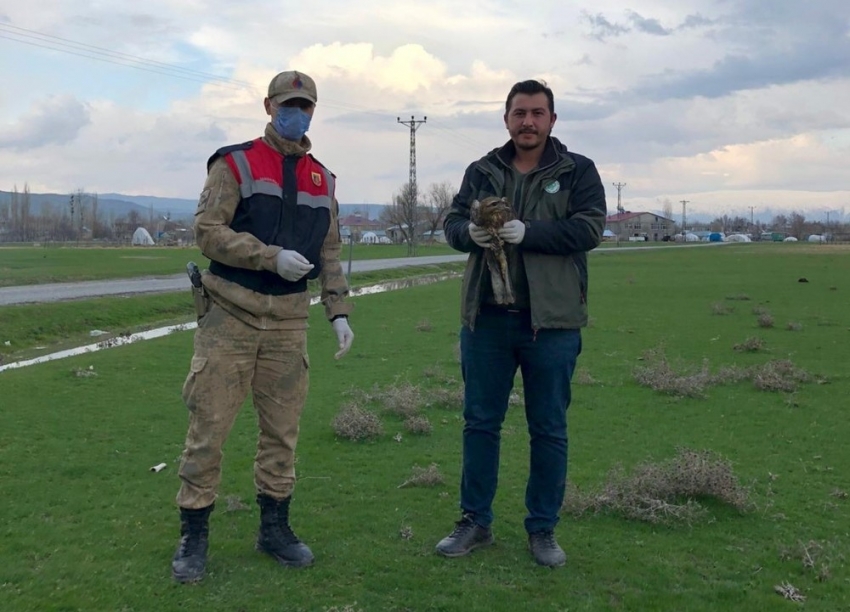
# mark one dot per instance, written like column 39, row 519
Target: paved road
column 56, row 292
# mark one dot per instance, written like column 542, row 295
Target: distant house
column 436, row 236
column 397, row 233
column 640, row 225
column 356, row 225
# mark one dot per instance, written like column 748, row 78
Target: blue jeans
column 502, row 342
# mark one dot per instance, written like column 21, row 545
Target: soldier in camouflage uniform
column 267, row 219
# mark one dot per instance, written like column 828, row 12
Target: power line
column 55, row 43
column 114, row 61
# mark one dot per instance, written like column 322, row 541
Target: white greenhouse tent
column 369, row 238
column 817, row 238
column 738, row 238
column 141, row 237
column 790, row 239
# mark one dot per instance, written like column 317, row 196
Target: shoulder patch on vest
column 243, row 146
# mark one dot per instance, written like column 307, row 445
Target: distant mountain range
column 119, row 205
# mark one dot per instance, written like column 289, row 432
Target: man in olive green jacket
column 559, row 206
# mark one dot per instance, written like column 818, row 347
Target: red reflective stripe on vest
column 232, row 165
column 267, row 165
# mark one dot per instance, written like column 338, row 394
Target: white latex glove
column 479, row 235
column 512, row 232
column 344, row 335
column 292, row 265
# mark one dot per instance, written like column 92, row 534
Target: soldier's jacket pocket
column 196, row 367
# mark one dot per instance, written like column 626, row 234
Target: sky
column 727, row 104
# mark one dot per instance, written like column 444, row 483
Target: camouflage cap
column 291, row 84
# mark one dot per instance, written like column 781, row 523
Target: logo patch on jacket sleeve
column 317, row 178
column 553, row 187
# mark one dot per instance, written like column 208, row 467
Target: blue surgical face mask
column 291, row 123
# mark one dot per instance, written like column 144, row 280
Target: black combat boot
column 190, row 560
column 276, row 537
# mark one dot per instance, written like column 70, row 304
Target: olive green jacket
column 562, row 203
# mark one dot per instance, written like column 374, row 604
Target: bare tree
column 797, row 223
column 94, row 220
column 667, row 208
column 404, row 215
column 780, row 223
column 440, row 197
column 15, row 216
column 26, row 221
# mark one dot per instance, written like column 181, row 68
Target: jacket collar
column 553, row 153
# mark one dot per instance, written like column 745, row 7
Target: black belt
column 505, row 309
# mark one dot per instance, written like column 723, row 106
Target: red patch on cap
column 297, row 84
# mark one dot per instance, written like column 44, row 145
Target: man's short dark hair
column 530, row 88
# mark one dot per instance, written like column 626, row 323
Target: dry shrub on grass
column 363, row 396
column 657, row 374
column 753, row 344
column 583, row 377
column 794, row 326
column 354, row 423
column 765, row 320
column 403, row 399
column 424, row 326
column 446, row 397
column 437, row 374
column 760, row 310
column 423, row 477
column 729, row 375
column 815, row 557
column 234, row 503
column 665, row 492
column 719, row 308
column 790, row 592
column 418, row 425
column 84, row 372
column 779, row 375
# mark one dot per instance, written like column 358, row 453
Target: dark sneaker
column 466, row 537
column 545, row 548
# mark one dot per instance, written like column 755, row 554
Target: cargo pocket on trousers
column 197, row 366
column 306, row 360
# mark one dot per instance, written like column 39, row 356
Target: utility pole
column 413, row 124
column 619, row 187
column 684, row 217
column 751, row 215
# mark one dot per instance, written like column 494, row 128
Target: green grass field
column 35, row 265
column 87, row 527
column 36, row 329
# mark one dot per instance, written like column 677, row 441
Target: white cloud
column 55, row 120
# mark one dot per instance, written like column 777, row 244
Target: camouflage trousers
column 232, row 358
